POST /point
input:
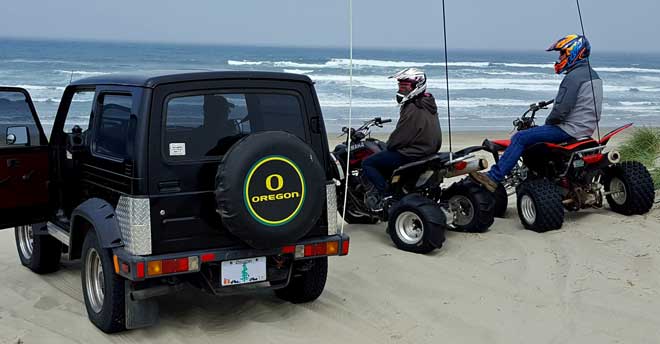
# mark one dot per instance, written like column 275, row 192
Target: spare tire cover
column 270, row 189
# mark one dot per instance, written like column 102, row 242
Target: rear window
column 201, row 126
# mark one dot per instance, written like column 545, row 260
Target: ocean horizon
column 488, row 89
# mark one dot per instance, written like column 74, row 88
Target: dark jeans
column 522, row 140
column 380, row 166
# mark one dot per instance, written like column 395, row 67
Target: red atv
column 552, row 178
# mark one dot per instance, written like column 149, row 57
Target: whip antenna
column 350, row 109
column 444, row 29
column 591, row 78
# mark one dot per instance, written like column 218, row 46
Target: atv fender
column 101, row 216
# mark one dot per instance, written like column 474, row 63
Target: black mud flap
column 139, row 313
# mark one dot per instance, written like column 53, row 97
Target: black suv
column 221, row 180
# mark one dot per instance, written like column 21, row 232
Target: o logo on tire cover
column 274, row 190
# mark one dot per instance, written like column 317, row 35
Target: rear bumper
column 135, row 268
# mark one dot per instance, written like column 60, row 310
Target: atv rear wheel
column 473, row 206
column 501, row 201
column 629, row 188
column 539, row 205
column 417, row 224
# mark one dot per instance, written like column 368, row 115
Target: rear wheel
column 539, row 205
column 307, row 281
column 472, row 205
column 103, row 290
column 629, row 188
column 501, row 201
column 39, row 253
column 417, row 224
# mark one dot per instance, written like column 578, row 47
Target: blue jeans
column 383, row 163
column 522, row 140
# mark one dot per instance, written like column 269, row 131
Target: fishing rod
column 350, row 109
column 444, row 30
column 591, row 78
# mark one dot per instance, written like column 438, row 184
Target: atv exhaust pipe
column 466, row 166
column 614, row 156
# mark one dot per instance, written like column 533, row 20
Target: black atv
column 552, row 178
column 420, row 208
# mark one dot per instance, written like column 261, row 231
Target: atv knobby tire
column 540, row 205
column 426, row 215
column 501, row 201
column 270, row 189
column 474, row 205
column 636, row 188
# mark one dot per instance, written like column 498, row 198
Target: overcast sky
column 612, row 25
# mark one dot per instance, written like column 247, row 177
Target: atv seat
column 436, row 158
column 581, row 143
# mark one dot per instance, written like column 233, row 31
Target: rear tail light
column 331, row 248
column 170, row 266
column 344, row 247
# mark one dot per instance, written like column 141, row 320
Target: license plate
column 242, row 271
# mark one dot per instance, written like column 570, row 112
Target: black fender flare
column 101, row 216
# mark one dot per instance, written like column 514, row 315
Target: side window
column 80, row 111
column 17, row 123
column 206, row 125
column 113, row 125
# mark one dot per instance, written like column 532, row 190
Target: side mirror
column 17, row 136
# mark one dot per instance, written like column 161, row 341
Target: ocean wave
column 81, row 72
column 299, row 71
column 334, row 101
column 626, row 70
column 244, row 63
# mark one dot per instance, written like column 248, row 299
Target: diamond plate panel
column 133, row 216
column 331, row 197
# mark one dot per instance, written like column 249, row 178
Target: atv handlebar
column 361, row 132
column 525, row 122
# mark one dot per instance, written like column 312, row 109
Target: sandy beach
column 597, row 280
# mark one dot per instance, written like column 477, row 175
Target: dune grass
column 644, row 146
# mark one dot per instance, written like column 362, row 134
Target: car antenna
column 350, row 109
column 71, row 77
column 591, row 78
column 444, row 30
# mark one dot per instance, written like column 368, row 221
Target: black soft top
column 153, row 79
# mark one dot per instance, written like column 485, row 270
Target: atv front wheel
column 473, row 206
column 417, row 224
column 629, row 188
column 539, row 205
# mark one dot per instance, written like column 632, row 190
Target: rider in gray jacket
column 575, row 113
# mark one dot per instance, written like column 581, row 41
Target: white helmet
column 416, row 78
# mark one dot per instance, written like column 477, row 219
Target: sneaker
column 484, row 179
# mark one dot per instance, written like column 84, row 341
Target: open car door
column 23, row 161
